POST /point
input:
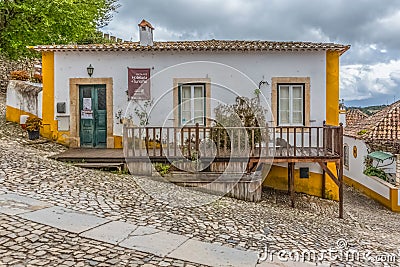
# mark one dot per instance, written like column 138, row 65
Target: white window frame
column 291, row 104
column 192, row 106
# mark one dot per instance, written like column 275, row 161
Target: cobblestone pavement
column 312, row 225
column 25, row 243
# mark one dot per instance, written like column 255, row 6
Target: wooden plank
column 238, row 151
column 218, row 141
column 182, row 143
column 161, row 144
column 154, row 141
column 140, row 142
column 340, row 166
column 147, row 141
column 294, row 141
column 287, row 142
column 168, row 129
column 291, row 183
column 175, row 140
column 253, row 146
column 323, row 188
column 328, row 171
column 135, row 141
column 274, row 141
column 225, row 141
column 197, row 137
column 341, row 195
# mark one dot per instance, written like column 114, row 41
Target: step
column 101, row 165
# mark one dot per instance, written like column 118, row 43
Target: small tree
column 143, row 111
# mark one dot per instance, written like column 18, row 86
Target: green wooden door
column 93, row 115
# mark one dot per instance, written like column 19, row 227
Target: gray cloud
column 371, row 27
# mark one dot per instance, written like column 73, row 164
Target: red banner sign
column 139, row 83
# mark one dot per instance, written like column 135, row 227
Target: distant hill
column 370, row 109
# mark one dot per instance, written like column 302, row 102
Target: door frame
column 74, row 83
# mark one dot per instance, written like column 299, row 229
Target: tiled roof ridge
column 358, row 111
column 212, row 45
column 354, row 116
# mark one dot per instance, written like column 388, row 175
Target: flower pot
column 33, row 135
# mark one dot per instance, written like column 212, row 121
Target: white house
column 89, row 90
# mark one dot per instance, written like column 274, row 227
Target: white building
column 90, row 90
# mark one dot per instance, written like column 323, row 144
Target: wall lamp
column 90, row 70
column 261, row 83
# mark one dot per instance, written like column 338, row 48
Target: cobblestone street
column 311, row 225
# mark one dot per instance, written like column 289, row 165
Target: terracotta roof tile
column 354, row 115
column 144, row 23
column 381, row 126
column 208, row 45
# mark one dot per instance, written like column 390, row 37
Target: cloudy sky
column 370, row 70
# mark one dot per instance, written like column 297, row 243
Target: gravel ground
column 311, row 225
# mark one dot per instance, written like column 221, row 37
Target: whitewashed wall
column 257, row 66
column 357, row 167
column 24, row 96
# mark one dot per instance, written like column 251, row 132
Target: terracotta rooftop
column 383, row 125
column 208, row 45
column 354, row 115
column 144, row 23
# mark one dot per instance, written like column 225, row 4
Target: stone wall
column 8, row 65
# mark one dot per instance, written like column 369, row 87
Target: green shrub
column 362, row 132
column 374, row 171
column 162, row 169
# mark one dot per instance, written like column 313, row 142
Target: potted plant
column 33, row 125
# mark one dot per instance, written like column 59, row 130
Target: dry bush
column 21, row 75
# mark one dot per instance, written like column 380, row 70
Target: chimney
column 145, row 33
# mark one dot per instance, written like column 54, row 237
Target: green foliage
column 33, row 22
column 121, row 172
column 370, row 109
column 162, row 169
column 362, row 132
column 374, row 171
column 328, row 194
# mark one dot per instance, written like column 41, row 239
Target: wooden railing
column 233, row 142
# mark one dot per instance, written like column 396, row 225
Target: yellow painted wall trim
column 13, row 114
column 388, row 203
column 118, row 142
column 332, row 87
column 278, row 178
column 50, row 125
